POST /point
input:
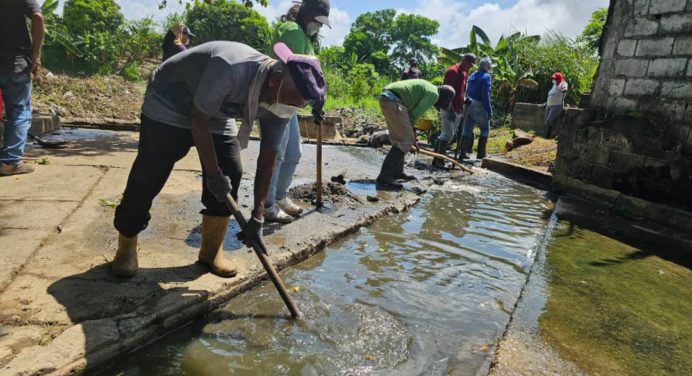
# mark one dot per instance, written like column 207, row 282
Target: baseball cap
column 186, row 31
column 470, row 58
column 319, row 9
column 306, row 72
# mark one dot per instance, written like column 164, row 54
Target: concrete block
column 683, row 46
column 667, row 6
column 623, row 161
column 641, row 87
column 616, row 87
column 655, row 47
column 631, row 67
column 689, row 68
column 674, row 110
column 679, row 90
column 641, row 7
column 641, row 26
column 667, row 67
column 677, row 23
column 627, row 47
column 623, row 104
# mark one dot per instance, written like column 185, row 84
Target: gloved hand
column 219, row 186
column 254, row 228
column 318, row 112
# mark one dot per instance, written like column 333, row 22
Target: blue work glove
column 219, row 186
column 254, row 228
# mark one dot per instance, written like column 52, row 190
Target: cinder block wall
column 646, row 59
column 638, row 137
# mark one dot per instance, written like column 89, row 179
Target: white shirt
column 556, row 95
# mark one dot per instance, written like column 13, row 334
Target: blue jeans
column 476, row 114
column 287, row 159
column 16, row 94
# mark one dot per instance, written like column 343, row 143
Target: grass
column 615, row 310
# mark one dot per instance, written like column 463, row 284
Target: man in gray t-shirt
column 193, row 99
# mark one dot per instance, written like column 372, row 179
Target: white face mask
column 279, row 110
column 313, row 28
column 554, row 82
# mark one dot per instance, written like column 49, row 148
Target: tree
column 411, row 38
column 92, row 16
column 384, row 39
column 190, row 4
column 228, row 20
column 591, row 35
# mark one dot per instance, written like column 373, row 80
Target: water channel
column 425, row 291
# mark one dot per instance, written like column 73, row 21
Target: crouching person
column 403, row 103
column 192, row 100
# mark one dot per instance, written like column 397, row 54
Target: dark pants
column 160, row 147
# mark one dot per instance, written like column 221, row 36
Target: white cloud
column 567, row 17
column 341, row 24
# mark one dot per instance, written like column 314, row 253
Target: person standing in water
column 300, row 32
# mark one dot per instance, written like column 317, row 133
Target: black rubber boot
column 463, row 154
column 441, row 149
column 480, row 153
column 390, row 168
column 400, row 175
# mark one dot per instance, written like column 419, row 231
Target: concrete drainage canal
column 425, row 291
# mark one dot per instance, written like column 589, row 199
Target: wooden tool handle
column 261, row 252
column 446, row 158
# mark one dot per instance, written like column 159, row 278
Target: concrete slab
column 81, row 316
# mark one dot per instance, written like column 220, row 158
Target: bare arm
column 38, row 30
column 201, row 136
column 263, row 177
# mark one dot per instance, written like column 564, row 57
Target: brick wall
column 646, row 64
column 637, row 138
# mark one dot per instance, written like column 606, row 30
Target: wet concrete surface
column 61, row 307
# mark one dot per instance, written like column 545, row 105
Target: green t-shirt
column 295, row 38
column 417, row 95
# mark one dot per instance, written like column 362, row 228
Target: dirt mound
column 333, row 192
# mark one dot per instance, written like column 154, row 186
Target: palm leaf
column 478, row 31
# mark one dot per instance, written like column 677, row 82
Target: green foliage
column 228, row 20
column 92, row 16
column 172, row 20
column 557, row 53
column 362, row 78
column 508, row 75
column 388, row 41
column 591, row 35
column 190, row 4
column 130, row 71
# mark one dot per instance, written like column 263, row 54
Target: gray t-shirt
column 214, row 77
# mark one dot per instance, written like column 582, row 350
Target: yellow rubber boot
column 210, row 253
column 125, row 261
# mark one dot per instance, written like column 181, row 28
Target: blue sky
column 456, row 17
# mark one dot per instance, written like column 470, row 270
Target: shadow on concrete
column 111, row 309
column 648, row 239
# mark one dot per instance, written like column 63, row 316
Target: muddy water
column 428, row 291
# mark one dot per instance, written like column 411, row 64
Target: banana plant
column 56, row 32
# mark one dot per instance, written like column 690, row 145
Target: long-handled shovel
column 440, row 156
column 261, row 252
column 318, row 183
